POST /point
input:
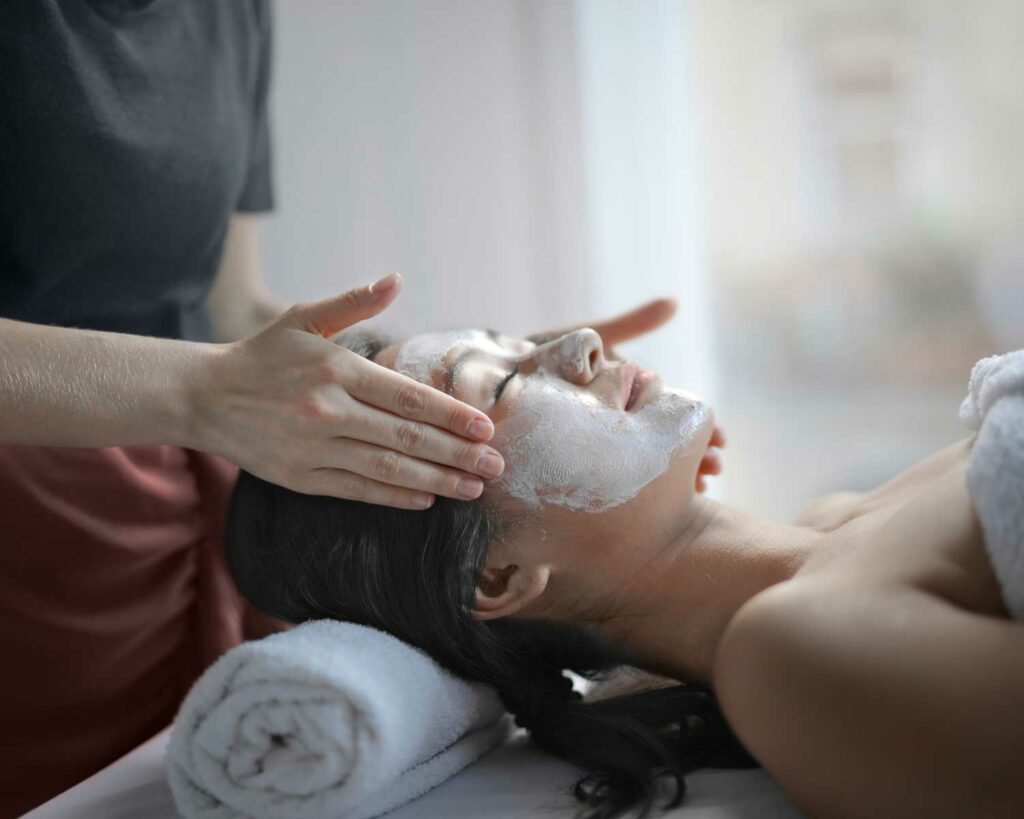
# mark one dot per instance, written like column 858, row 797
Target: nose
column 577, row 356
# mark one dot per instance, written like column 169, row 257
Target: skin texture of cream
column 561, row 442
column 422, row 356
column 562, row 446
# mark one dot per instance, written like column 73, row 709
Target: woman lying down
column 864, row 654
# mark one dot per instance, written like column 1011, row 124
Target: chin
column 695, row 421
column 701, row 419
column 693, row 414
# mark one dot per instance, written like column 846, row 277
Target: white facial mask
column 563, row 446
column 421, row 356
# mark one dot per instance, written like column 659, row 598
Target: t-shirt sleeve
column 258, row 190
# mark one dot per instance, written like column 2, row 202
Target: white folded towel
column 329, row 720
column 995, row 477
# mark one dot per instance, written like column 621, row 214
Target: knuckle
column 360, row 382
column 387, row 466
column 467, row 457
column 448, row 485
column 352, row 488
column 410, row 401
column 325, row 372
column 327, row 369
column 314, row 407
column 352, row 299
column 410, row 437
column 342, row 412
column 454, row 417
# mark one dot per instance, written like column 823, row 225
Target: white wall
column 436, row 139
column 524, row 163
column 644, row 186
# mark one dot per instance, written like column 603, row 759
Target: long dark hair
column 413, row 574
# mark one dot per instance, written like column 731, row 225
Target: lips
column 630, row 384
column 638, row 379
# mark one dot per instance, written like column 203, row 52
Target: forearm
column 73, row 387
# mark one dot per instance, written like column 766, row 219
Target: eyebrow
column 452, row 371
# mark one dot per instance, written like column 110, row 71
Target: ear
column 504, row 591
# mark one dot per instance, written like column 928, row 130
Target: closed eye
column 504, row 382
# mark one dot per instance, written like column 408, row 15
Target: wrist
column 191, row 390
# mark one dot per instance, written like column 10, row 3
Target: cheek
column 591, row 458
column 655, row 510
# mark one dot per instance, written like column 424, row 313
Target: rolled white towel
column 329, row 720
column 995, row 477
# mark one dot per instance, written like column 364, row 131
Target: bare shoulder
column 830, row 510
column 836, row 508
column 869, row 699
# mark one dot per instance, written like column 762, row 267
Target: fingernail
column 470, row 488
column 491, row 464
column 421, row 501
column 385, row 284
column 481, row 429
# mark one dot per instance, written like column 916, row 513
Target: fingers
column 386, row 466
column 340, row 483
column 328, row 316
column 424, row 442
column 383, row 388
column 711, row 463
column 636, row 322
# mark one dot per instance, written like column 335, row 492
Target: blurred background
column 833, row 190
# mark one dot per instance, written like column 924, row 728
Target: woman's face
column 577, row 431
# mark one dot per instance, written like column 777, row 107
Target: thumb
column 327, row 316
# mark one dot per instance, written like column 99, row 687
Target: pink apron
column 113, row 598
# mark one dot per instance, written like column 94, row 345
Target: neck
column 671, row 615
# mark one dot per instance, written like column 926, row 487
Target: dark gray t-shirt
column 130, row 130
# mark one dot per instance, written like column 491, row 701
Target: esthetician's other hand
column 624, row 327
column 294, row 408
column 711, row 463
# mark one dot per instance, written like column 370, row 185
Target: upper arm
column 239, row 300
column 871, row 701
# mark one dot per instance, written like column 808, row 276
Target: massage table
column 513, row 781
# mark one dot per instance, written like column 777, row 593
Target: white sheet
column 511, row 782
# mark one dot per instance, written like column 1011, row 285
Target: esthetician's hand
column 711, row 463
column 294, row 408
column 624, row 327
